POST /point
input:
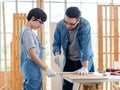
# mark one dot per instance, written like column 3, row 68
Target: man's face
column 71, row 23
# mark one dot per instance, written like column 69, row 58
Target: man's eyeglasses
column 70, row 24
column 39, row 21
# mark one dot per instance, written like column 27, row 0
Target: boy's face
column 37, row 23
column 70, row 23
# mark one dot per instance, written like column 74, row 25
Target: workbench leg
column 75, row 86
column 89, row 86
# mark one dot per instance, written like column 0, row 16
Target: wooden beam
column 100, row 39
column 116, row 47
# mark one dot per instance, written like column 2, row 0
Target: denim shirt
column 83, row 41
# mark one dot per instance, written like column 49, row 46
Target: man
column 31, row 54
column 73, row 34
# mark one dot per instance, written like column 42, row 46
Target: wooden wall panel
column 5, row 80
column 12, row 80
column 108, row 38
column 19, row 21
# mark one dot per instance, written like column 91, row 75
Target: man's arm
column 86, row 42
column 57, row 40
column 85, row 64
column 85, row 48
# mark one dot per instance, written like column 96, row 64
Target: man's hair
column 37, row 13
column 73, row 12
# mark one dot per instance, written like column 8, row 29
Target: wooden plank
column 111, row 37
column 5, row 50
column 12, row 54
column 16, row 47
column 85, row 77
column 18, row 21
column 106, row 61
column 116, row 48
column 106, row 41
column 100, row 39
column 111, row 34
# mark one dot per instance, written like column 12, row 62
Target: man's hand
column 50, row 72
column 83, row 71
column 58, row 60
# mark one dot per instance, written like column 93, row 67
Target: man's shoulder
column 61, row 22
column 84, row 21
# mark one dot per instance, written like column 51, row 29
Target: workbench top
column 92, row 77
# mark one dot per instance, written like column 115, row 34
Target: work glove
column 83, row 71
column 50, row 72
column 58, row 60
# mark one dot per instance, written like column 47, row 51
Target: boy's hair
column 38, row 14
column 73, row 12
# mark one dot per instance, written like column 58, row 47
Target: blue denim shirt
column 83, row 41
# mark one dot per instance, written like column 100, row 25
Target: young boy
column 32, row 51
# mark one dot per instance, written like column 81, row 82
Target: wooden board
column 84, row 77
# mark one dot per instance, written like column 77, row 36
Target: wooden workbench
column 89, row 81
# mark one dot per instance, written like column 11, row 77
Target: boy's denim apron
column 32, row 73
